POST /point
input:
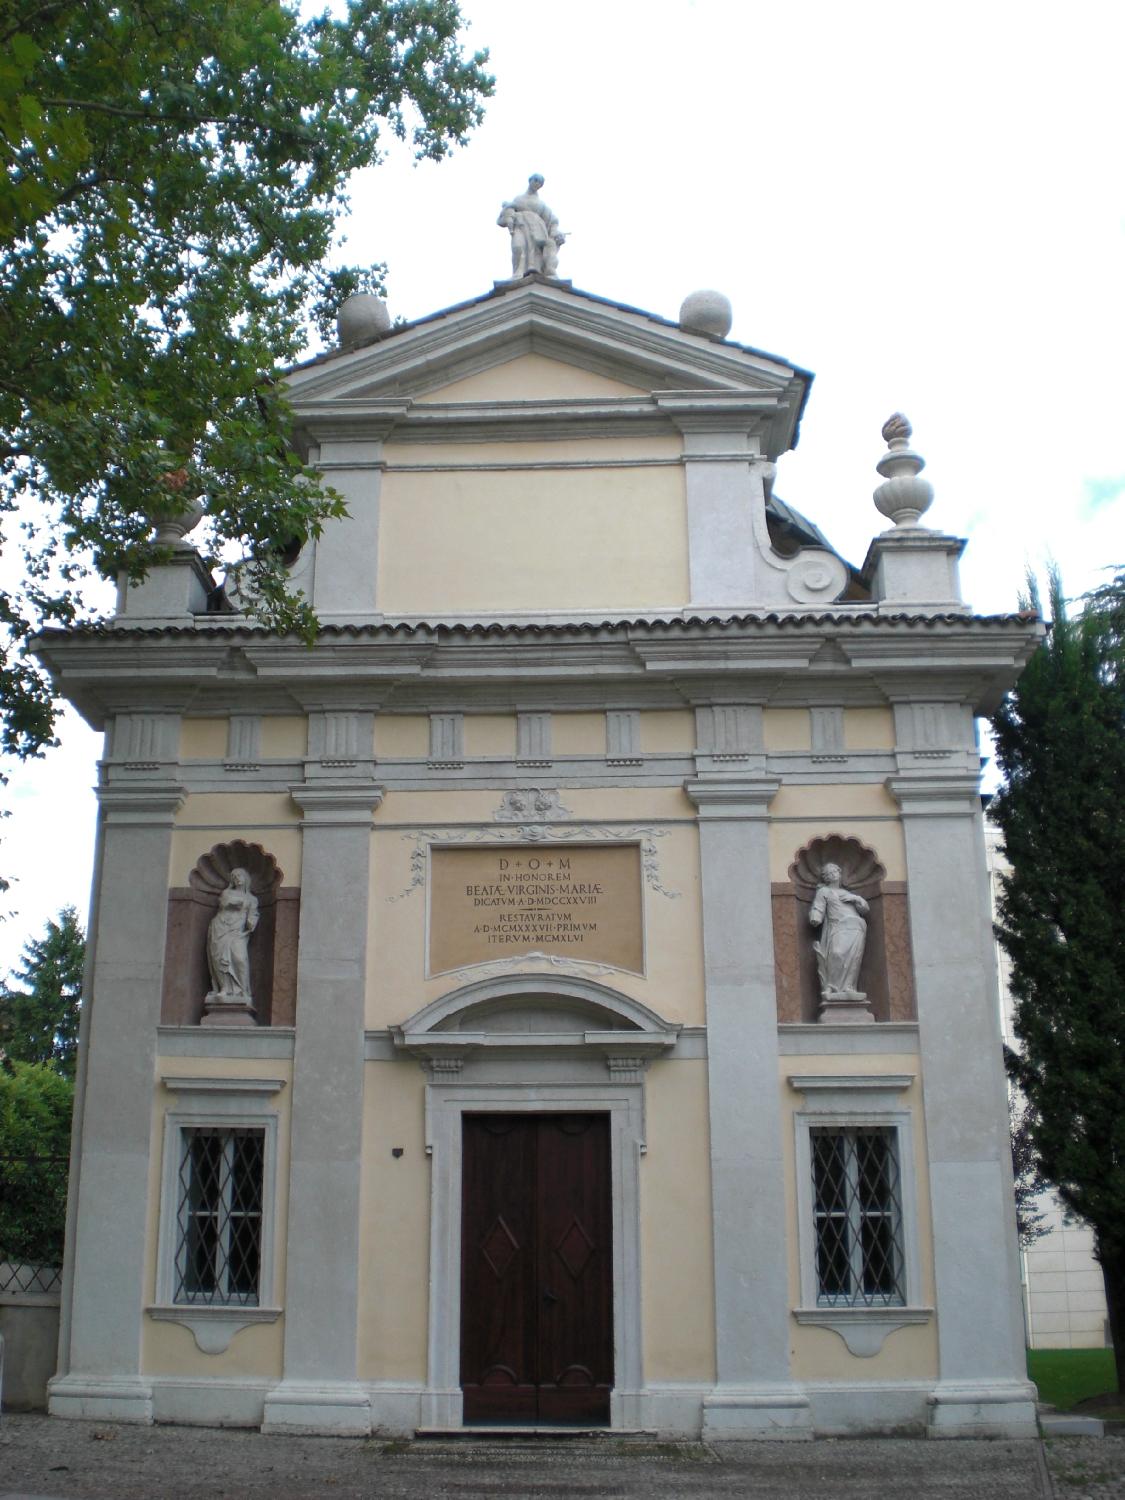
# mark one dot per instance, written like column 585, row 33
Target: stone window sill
column 863, row 1329
column 213, row 1326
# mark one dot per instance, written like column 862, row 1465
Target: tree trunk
column 1112, row 1261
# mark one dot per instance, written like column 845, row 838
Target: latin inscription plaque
column 566, row 900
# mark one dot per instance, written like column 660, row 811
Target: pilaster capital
column 151, row 804
column 337, row 804
column 733, row 797
column 930, row 796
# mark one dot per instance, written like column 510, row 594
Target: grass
column 1067, row 1376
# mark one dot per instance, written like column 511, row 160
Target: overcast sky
column 922, row 203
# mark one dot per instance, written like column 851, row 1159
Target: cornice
column 749, row 657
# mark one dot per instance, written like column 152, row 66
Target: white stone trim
column 846, row 1101
column 274, row 1043
column 820, row 1039
column 563, row 1089
column 213, row 1088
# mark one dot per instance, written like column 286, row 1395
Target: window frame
column 228, row 1216
column 220, row 1104
column 857, row 1218
column 841, row 1102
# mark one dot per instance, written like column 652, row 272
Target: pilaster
column 982, row 1388
column 100, row 1374
column 319, row 1391
column 350, row 456
column 754, row 1396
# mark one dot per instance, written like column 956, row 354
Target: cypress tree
column 39, row 1012
column 1060, row 743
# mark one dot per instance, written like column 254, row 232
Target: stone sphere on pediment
column 361, row 317
column 707, row 312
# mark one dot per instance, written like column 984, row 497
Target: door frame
column 449, row 1095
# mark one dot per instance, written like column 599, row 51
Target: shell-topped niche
column 212, row 870
column 859, row 865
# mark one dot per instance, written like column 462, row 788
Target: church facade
column 564, row 994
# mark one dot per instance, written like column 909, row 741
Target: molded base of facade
column 332, row 1408
column 718, row 1413
column 744, row 1413
column 100, row 1398
column 992, row 1409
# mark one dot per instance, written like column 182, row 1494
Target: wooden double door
column 536, row 1269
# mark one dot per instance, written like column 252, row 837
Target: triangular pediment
column 541, row 340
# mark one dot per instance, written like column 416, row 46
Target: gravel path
column 54, row 1460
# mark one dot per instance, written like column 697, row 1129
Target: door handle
column 549, row 1297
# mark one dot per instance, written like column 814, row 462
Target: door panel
column 537, row 1272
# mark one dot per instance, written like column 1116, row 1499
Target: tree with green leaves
column 40, row 1004
column 1060, row 743
column 173, row 172
column 35, row 1109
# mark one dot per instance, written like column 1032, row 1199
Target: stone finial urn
column 904, row 497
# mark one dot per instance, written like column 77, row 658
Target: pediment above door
column 536, row 1014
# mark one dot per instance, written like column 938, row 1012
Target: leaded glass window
column 857, row 1204
column 219, row 1240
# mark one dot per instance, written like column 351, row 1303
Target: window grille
column 857, row 1198
column 219, row 1243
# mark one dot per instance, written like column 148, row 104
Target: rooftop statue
column 535, row 232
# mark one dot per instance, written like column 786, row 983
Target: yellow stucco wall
column 578, row 734
column 869, row 729
column 677, row 1266
column 531, row 377
column 667, row 731
column 397, row 985
column 544, row 539
column 402, row 736
column 490, row 734
column 270, row 819
column 865, row 812
column 170, row 1348
column 394, row 1233
column 284, row 736
column 786, row 729
column 203, row 739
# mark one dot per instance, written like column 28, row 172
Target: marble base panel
column 988, row 1410
column 768, row 1413
column 332, row 1409
column 90, row 1398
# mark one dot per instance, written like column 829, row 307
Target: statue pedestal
column 220, row 1010
column 850, row 1010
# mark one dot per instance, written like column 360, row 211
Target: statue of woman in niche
column 536, row 236
column 228, row 940
column 839, row 913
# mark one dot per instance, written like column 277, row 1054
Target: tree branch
column 157, row 117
